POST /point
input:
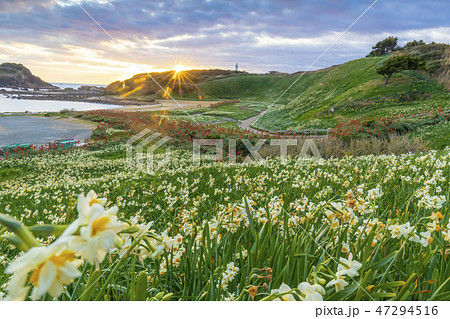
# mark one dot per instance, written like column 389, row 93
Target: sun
column 178, row 68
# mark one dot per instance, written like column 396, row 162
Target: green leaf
column 434, row 296
column 47, row 230
column 27, row 239
column 16, row 241
column 384, row 261
column 345, row 293
column 129, row 230
column 383, row 295
column 90, row 286
column 361, row 290
column 250, row 218
column 388, row 285
column 140, row 293
column 167, row 297
column 443, row 296
column 403, row 295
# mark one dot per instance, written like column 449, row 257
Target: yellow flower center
column 94, row 201
column 99, row 225
column 57, row 260
column 430, row 240
column 34, row 278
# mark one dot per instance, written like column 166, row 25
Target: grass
column 234, row 125
column 353, row 90
column 236, row 111
column 437, row 136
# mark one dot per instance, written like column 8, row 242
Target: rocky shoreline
column 75, row 96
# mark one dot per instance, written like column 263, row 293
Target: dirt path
column 246, row 124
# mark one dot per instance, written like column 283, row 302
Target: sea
column 41, row 130
column 13, row 105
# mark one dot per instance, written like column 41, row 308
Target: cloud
column 261, row 35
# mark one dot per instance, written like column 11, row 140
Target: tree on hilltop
column 384, row 47
column 397, row 64
column 414, row 43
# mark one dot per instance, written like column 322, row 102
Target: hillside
column 355, row 91
column 13, row 75
column 319, row 99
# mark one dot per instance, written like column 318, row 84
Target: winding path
column 315, row 133
column 246, row 124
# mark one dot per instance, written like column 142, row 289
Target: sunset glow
column 178, row 68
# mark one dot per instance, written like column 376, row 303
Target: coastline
column 127, row 104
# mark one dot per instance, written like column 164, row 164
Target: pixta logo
column 141, row 148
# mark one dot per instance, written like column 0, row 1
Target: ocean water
column 39, row 130
column 15, row 105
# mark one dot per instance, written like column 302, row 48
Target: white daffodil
column 433, row 226
column 339, row 283
column 311, row 292
column 395, row 230
column 424, row 239
column 435, row 216
column 349, row 266
column 84, row 205
column 283, row 289
column 401, row 230
column 52, row 267
column 345, row 248
column 446, row 235
column 156, row 245
column 98, row 236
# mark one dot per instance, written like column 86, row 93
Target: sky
column 59, row 42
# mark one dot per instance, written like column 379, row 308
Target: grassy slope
column 324, row 98
column 354, row 90
column 257, row 87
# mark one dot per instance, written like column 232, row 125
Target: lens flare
column 179, row 68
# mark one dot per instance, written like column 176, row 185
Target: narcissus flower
column 401, row 230
column 345, row 248
column 311, row 292
column 339, row 283
column 98, row 236
column 283, row 289
column 84, row 205
column 424, row 239
column 349, row 266
column 51, row 268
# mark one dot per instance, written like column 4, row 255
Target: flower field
column 366, row 228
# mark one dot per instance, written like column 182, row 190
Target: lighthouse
column 237, row 68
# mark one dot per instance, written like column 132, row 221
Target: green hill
column 354, row 90
column 318, row 99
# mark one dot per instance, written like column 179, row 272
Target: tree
column 384, row 47
column 413, row 43
column 397, row 64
